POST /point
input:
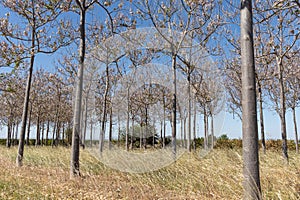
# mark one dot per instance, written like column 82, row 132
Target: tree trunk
column 16, row 134
column 127, row 121
column 91, row 134
column 212, row 131
column 251, row 183
column 19, row 158
column 28, row 128
column 43, row 132
column 53, row 133
column 47, row 132
column 153, row 135
column 195, row 125
column 174, row 106
column 102, row 133
column 8, row 139
column 205, row 130
column 74, row 168
column 58, row 134
column 38, row 136
column 295, row 129
column 12, row 139
column 27, row 93
column 184, row 133
column 189, row 146
column 282, row 110
column 164, row 122
column 63, row 134
column 85, row 121
column 119, row 128
column 141, row 136
column 131, row 135
column 110, row 129
column 261, row 117
column 181, row 130
column 13, row 127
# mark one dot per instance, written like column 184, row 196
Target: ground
column 45, row 175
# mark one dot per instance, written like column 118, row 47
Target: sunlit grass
column 45, row 175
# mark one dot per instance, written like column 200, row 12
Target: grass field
column 45, row 175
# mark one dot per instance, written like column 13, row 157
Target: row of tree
column 49, row 27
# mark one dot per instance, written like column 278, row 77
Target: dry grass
column 45, row 175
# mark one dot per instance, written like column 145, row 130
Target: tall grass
column 45, row 175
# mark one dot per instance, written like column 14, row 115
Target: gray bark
column 189, row 146
column 212, row 131
column 295, row 129
column 74, row 168
column 28, row 127
column 110, row 129
column 282, row 110
column 174, row 107
column 195, row 125
column 91, row 133
column 19, row 158
column 261, row 117
column 251, row 183
column 127, row 122
column 9, row 130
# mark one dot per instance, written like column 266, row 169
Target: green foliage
column 223, row 137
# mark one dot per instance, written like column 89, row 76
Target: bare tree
column 83, row 7
column 29, row 40
column 251, row 183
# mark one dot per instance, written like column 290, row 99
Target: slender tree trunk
column 164, row 122
column 58, row 134
column 205, row 130
column 43, row 132
column 212, row 131
column 8, row 139
column 27, row 93
column 119, row 129
column 189, row 146
column 85, row 120
column 47, row 131
column 282, row 110
column 53, row 133
column 16, row 134
column 29, row 126
column 37, row 141
column 127, row 121
column 63, row 134
column 13, row 134
column 153, row 135
column 295, row 129
column 251, row 183
column 181, row 130
column 102, row 133
column 141, row 136
column 145, row 136
column 25, row 110
column 184, row 133
column 131, row 135
column 161, row 133
column 110, row 129
column 74, row 168
column 174, row 106
column 261, row 117
column 195, row 125
column 91, row 134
